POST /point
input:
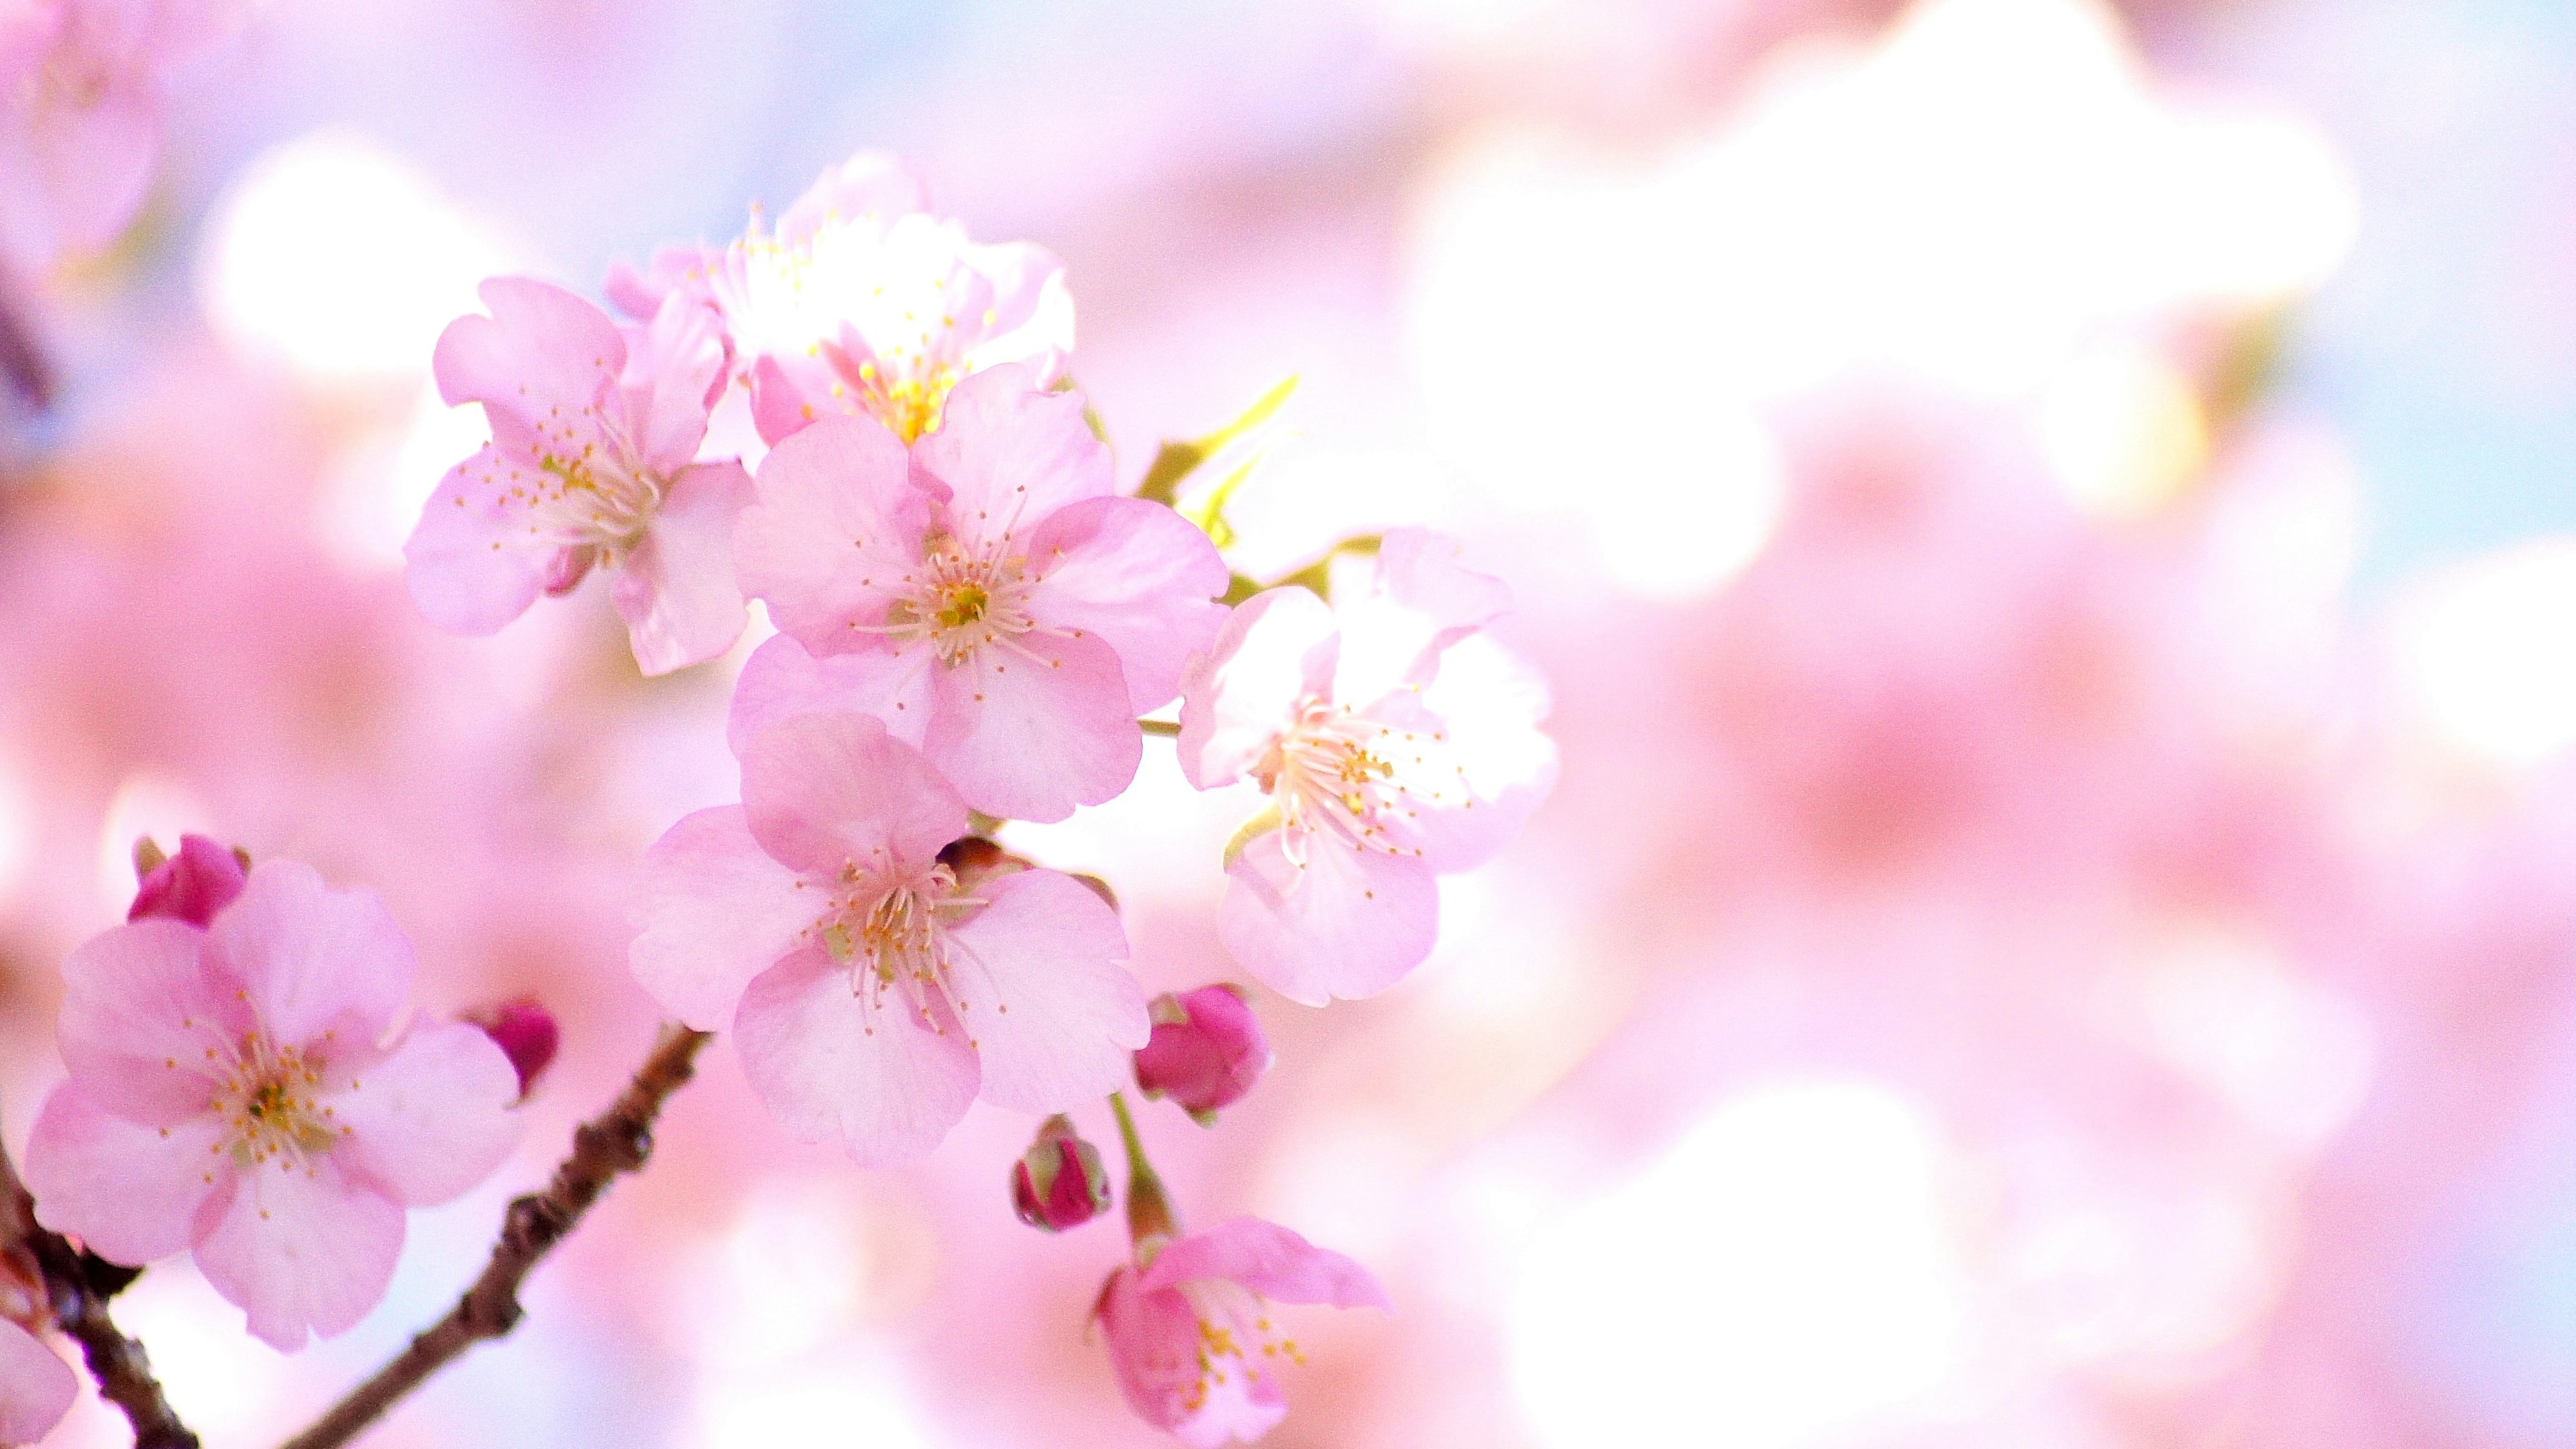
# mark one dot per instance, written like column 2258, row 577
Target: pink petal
column 1028, row 733
column 130, row 1191
column 143, row 1023
column 832, row 1066
column 1009, row 455
column 302, row 1250
column 835, row 531
column 1347, row 923
column 716, row 911
column 1477, row 724
column 1420, row 600
column 1139, row 576
column 1154, row 1347
column 190, row 886
column 675, row 370
column 432, row 1119
column 639, row 293
column 871, row 183
column 824, row 791
column 1271, row 1261
column 676, row 588
column 1276, row 650
column 1032, row 312
column 471, row 563
column 36, row 1386
column 1042, row 989
column 782, row 398
column 314, row 960
column 781, row 680
column 541, row 364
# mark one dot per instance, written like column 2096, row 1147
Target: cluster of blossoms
column 974, row 624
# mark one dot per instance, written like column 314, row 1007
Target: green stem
column 1149, row 1212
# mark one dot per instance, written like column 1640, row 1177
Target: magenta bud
column 191, row 886
column 524, row 1031
column 1059, row 1182
column 1206, row 1051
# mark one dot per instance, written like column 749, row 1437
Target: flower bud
column 1206, row 1051
column 1059, row 1182
column 524, row 1031
column 191, row 886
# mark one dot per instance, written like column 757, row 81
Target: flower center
column 1235, row 1339
column 908, row 399
column 1339, row 772
column 271, row 1101
column 958, row 603
column 893, row 937
column 585, row 498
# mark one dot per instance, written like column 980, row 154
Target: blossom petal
column 835, row 531
column 540, row 364
column 676, row 588
column 1271, row 1261
column 1346, row 923
column 1154, row 1345
column 1277, row 649
column 432, row 1119
column 1488, row 762
column 1420, row 599
column 1136, row 574
column 871, row 183
column 36, row 1387
column 131, row 1192
column 1042, row 989
column 1032, row 311
column 1028, row 732
column 675, row 370
column 827, row 790
column 142, row 1022
column 783, row 679
column 833, row 1064
column 314, row 960
column 303, row 1249
column 716, row 911
column 1009, row 454
column 470, row 562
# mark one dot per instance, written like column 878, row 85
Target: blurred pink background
column 2049, row 523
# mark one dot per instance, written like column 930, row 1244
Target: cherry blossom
column 873, row 996
column 1207, row 1050
column 1394, row 745
column 864, row 301
column 593, row 461
column 243, row 1090
column 985, row 593
column 191, row 886
column 1059, row 1182
column 36, row 1386
column 1190, row 1330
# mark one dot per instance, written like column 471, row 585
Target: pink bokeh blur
column 2048, row 523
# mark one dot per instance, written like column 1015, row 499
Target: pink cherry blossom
column 241, row 1090
column 1191, row 1334
column 863, row 301
column 1206, row 1052
column 191, row 886
column 985, row 593
column 1394, row 745
column 36, row 1386
column 593, row 460
column 873, row 996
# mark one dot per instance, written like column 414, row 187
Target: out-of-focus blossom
column 988, row 596
column 871, row 997
column 1059, row 1182
column 864, row 301
column 1381, row 769
column 1190, row 1331
column 525, row 1032
column 36, row 1388
column 1206, row 1052
column 595, row 434
column 191, row 886
column 80, row 114
column 234, row 1090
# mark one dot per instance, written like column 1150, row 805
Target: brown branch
column 78, row 1284
column 616, row 1141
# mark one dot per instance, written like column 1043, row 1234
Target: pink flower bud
column 1059, row 1182
column 1206, row 1052
column 191, row 886
column 525, row 1032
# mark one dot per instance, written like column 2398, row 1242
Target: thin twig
column 22, row 358
column 616, row 1141
column 78, row 1284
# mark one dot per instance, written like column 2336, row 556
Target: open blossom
column 593, row 462
column 1191, row 1332
column 872, row 995
column 235, row 1090
column 1394, row 745
column 36, row 1387
column 862, row 300
column 985, row 593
